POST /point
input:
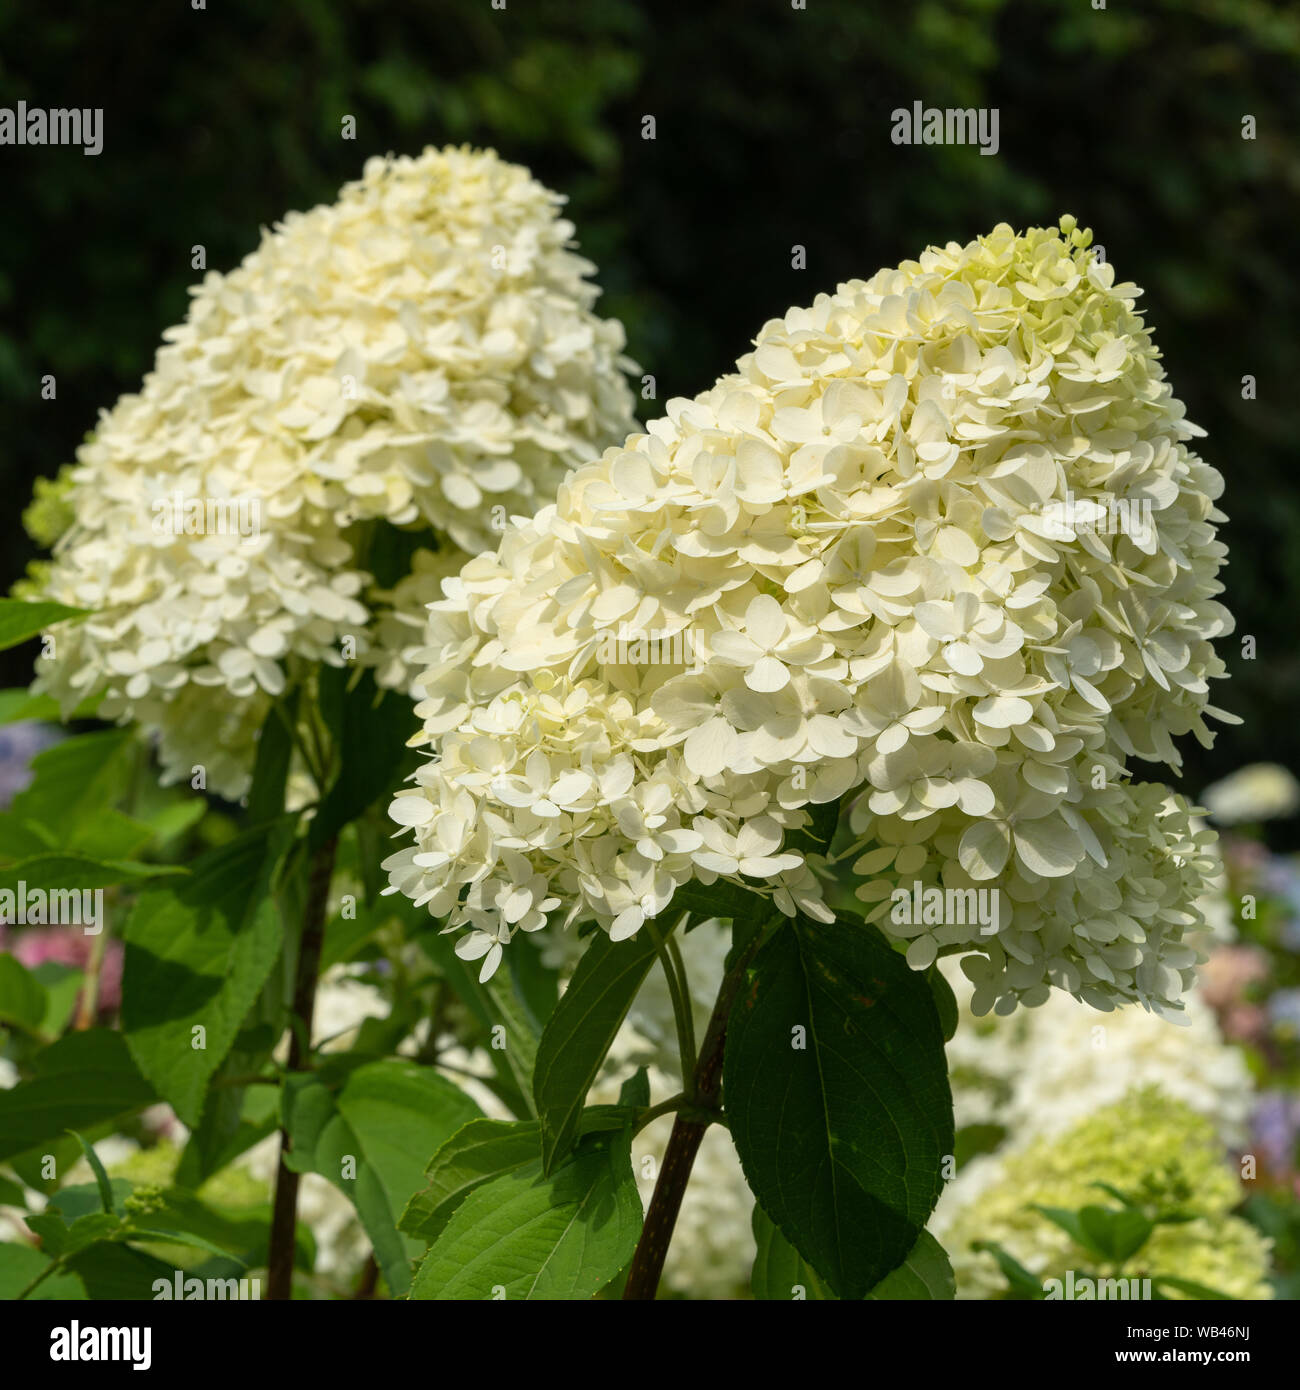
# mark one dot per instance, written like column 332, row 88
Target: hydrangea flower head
column 421, row 353
column 938, row 548
column 1145, row 1137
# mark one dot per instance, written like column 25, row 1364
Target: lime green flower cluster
column 46, row 517
column 1144, row 1137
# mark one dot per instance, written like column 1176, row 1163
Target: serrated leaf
column 197, row 955
column 387, row 1117
column 841, row 1139
column 580, row 1031
column 85, row 1079
column 531, row 1236
column 482, row 1150
column 61, row 1239
column 74, row 781
column 925, row 1274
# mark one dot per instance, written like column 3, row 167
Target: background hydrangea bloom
column 1143, row 1135
column 1044, row 1069
column 421, row 352
column 886, row 538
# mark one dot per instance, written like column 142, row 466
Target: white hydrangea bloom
column 878, row 559
column 1256, row 792
column 1044, row 1069
column 421, row 352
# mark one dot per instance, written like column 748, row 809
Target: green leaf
column 271, row 764
column 495, row 1004
column 20, row 621
column 75, row 781
column 816, row 837
column 19, row 703
column 175, row 818
column 836, row 1088
column 62, row 984
column 110, row 835
column 234, row 1119
column 1187, row 1286
column 944, row 1000
column 197, row 956
column 481, row 1150
column 1115, row 1234
column 100, row 1172
column 370, row 729
column 60, row 1238
column 117, row 1272
column 925, row 1274
column 18, row 840
column 20, row 1264
column 719, row 899
column 380, row 1127
column 85, row 1079
column 1022, row 1283
column 530, row 1236
column 22, row 998
column 780, row 1272
column 580, row 1031
column 74, row 872
column 1069, row 1222
column 635, row 1091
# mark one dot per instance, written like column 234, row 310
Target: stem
column 686, row 1023
column 90, row 990
column 665, row 1107
column 674, row 969
column 684, row 1143
column 284, row 1214
column 53, row 1267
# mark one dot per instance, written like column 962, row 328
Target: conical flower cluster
column 938, row 548
column 420, row 353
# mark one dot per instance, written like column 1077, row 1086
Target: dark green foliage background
column 773, row 129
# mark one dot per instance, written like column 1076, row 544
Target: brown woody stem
column 284, row 1214
column 684, row 1142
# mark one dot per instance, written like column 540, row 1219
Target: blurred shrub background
column 772, row 129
